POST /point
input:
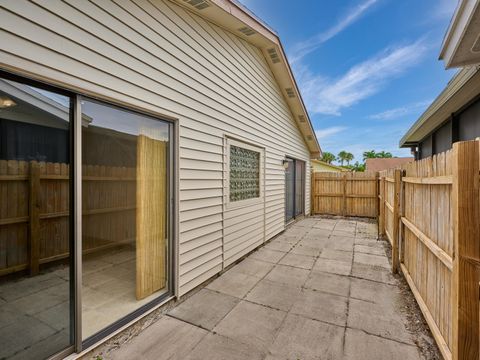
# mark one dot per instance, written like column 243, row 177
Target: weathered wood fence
column 34, row 211
column 429, row 212
column 346, row 194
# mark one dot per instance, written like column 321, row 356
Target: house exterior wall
column 158, row 57
column 462, row 126
column 318, row 166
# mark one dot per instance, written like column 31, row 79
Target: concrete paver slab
column 234, row 284
column 217, row 347
column 299, row 261
column 268, row 255
column 302, row 338
column 329, row 283
column 288, row 275
column 166, row 338
column 205, row 309
column 375, row 320
column 322, row 306
column 361, row 346
column 252, row 324
column 332, row 266
column 274, row 294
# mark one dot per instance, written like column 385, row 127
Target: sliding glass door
column 294, row 188
column 36, row 267
column 125, row 186
column 60, row 291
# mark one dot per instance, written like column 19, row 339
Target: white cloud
column 324, row 133
column 307, row 46
column 444, row 9
column 330, row 96
column 401, row 111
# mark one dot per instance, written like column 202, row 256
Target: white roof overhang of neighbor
column 461, row 45
column 234, row 17
column 461, row 90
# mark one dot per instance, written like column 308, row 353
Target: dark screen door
column 294, row 188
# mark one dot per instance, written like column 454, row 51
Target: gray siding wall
column 155, row 55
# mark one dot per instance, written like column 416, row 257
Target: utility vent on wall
column 198, row 4
column 273, row 55
column 301, row 118
column 247, row 31
column 290, row 92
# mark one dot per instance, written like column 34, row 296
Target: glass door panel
column 290, row 190
column 35, row 241
column 125, row 213
column 299, row 187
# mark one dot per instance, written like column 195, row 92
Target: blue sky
column 367, row 69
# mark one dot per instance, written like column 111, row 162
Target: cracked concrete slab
column 329, row 283
column 332, row 266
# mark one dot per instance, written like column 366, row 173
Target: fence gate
column 346, row 194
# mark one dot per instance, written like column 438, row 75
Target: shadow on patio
column 321, row 290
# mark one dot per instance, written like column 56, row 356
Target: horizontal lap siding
column 158, row 56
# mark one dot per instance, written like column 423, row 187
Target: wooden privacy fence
column 429, row 212
column 346, row 194
column 34, row 211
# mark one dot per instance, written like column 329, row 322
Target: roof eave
column 264, row 38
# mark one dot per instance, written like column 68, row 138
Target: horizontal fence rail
column 346, row 194
column 34, row 212
column 429, row 212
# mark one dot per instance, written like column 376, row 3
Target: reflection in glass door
column 125, row 187
column 294, row 188
column 35, row 241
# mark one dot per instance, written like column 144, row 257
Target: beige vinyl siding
column 157, row 56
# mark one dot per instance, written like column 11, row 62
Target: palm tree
column 349, row 158
column 383, row 154
column 328, row 157
column 369, row 155
column 342, row 156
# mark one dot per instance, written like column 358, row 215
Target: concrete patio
column 320, row 290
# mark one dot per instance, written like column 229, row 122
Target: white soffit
column 461, row 45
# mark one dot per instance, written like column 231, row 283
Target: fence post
column 396, row 219
column 402, row 214
column 344, row 185
column 381, row 222
column 312, row 192
column 466, row 251
column 34, row 218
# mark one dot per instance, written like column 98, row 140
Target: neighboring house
column 455, row 113
column 379, row 164
column 145, row 147
column 319, row 165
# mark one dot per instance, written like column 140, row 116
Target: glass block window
column 244, row 174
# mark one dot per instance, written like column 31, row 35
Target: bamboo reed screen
column 151, row 216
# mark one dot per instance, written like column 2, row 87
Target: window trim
column 247, row 202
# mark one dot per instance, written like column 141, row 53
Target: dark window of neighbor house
column 469, row 123
column 442, row 138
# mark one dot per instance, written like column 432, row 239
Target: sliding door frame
column 75, row 223
column 294, row 217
